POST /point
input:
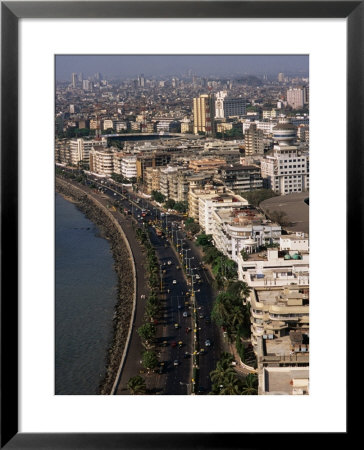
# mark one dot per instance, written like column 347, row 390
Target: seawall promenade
column 124, row 265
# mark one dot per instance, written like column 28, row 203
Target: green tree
column 158, row 196
column 232, row 385
column 181, row 207
column 250, row 386
column 169, row 204
column 147, row 332
column 192, row 228
column 204, row 240
column 149, row 360
column 152, row 310
column 136, row 385
column 259, row 195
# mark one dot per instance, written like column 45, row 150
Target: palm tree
column 137, row 386
column 220, row 374
column 250, row 386
column 231, row 385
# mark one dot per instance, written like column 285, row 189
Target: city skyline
column 126, row 66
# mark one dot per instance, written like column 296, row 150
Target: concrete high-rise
column 219, row 104
column 234, row 107
column 203, row 114
column 254, row 143
column 296, row 97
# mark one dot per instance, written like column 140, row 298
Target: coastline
column 123, row 266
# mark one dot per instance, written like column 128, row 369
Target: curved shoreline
column 125, row 269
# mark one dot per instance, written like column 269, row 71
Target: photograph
column 182, row 224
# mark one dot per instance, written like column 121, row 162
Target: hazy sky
column 159, row 65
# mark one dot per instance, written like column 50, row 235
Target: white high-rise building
column 219, row 104
column 80, row 149
column 287, row 170
column 296, row 97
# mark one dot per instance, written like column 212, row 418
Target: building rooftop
column 286, row 380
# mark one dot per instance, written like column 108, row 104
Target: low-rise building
column 200, row 165
column 273, row 267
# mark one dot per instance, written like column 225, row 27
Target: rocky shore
column 123, row 268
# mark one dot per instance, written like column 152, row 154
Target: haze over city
column 195, row 171
column 124, row 66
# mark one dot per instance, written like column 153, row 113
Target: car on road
column 169, row 262
column 177, row 267
column 173, row 344
column 176, row 362
column 174, row 281
column 176, row 325
column 207, row 343
column 207, row 320
column 200, row 316
column 180, row 344
column 187, row 355
column 164, row 344
column 197, row 276
column 185, row 314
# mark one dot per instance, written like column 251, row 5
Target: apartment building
column 296, row 97
column 280, row 335
column 241, row 178
column 62, row 151
column 80, row 149
column 266, row 126
column 274, row 267
column 200, row 165
column 287, row 170
column 101, row 160
column 154, row 159
column 204, row 115
column 234, row 107
column 152, row 179
column 242, row 229
column 254, row 141
column 208, row 203
column 129, row 166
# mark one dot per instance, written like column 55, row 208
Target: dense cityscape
column 201, row 185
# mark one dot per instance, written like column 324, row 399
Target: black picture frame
column 11, row 12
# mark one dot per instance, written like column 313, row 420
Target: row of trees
column 223, row 268
column 231, row 312
column 147, row 331
column 225, row 380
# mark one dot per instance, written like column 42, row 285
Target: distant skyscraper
column 219, row 104
column 86, row 85
column 281, row 77
column 80, row 77
column 203, row 114
column 74, row 80
column 296, row 97
column 98, row 76
column 141, row 80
